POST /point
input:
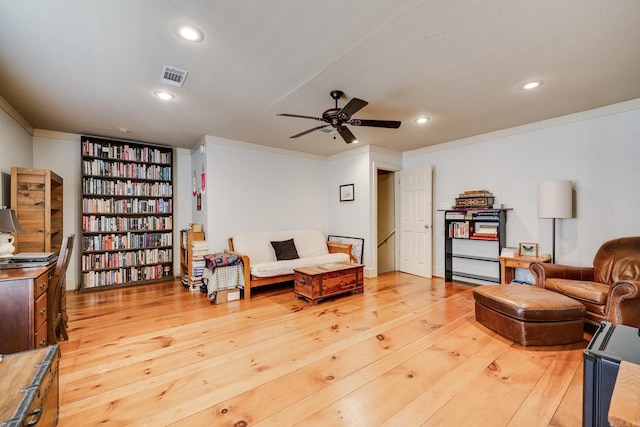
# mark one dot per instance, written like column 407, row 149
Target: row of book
column 116, row 169
column 109, row 242
column 122, row 206
column 108, row 260
column 125, row 152
column 98, row 224
column 92, row 279
column 473, row 230
column 110, row 187
column 484, row 214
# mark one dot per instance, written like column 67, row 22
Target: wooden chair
column 56, row 319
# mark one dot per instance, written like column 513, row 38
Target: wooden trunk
column 29, row 388
column 321, row 281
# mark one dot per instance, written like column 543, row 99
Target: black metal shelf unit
column 479, row 225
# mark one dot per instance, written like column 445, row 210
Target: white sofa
column 259, row 258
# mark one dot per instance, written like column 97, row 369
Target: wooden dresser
column 23, row 308
column 29, row 388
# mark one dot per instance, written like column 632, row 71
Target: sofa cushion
column 257, row 244
column 594, row 292
column 285, row 250
column 279, row 268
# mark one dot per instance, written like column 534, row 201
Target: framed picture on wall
column 527, row 249
column 357, row 245
column 347, row 193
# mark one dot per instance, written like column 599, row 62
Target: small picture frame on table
column 347, row 193
column 528, row 249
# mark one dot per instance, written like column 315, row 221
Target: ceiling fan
column 339, row 117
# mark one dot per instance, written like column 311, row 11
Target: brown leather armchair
column 609, row 289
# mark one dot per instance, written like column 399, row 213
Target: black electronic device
column 610, row 345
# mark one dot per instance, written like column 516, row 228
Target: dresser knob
column 43, row 310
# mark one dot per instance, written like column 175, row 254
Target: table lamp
column 555, row 201
column 8, row 224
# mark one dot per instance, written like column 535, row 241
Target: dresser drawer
column 41, row 284
column 40, row 337
column 516, row 263
column 40, row 311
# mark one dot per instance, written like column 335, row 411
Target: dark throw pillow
column 285, row 250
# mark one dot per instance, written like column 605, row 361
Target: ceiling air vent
column 173, row 76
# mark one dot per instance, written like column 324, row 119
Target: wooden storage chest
column 322, row 281
column 29, row 388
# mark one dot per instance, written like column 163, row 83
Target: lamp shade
column 9, row 221
column 555, row 199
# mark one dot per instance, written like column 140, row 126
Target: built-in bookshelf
column 473, row 241
column 127, row 213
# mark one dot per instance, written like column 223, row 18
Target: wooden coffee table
column 322, row 281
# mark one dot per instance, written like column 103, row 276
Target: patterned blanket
column 222, row 259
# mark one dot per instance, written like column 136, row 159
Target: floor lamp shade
column 555, row 199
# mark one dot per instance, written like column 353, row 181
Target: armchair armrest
column 335, row 247
column 544, row 271
column 623, row 304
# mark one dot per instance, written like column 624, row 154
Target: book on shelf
column 454, row 215
column 485, row 236
column 487, row 228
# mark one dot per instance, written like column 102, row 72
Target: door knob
column 426, row 226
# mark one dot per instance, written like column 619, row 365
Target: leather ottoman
column 529, row 315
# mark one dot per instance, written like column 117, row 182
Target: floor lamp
column 554, row 201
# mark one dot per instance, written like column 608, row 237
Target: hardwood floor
column 407, row 352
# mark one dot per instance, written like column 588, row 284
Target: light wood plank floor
column 407, row 352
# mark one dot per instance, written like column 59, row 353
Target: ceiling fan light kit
column 338, row 118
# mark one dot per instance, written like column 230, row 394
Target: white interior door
column 416, row 233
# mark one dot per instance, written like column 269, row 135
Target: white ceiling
column 89, row 66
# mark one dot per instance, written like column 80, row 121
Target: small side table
column 508, row 265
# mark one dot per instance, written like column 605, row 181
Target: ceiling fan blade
column 346, row 134
column 351, row 108
column 376, row 123
column 308, row 131
column 300, row 117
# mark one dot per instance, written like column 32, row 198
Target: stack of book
column 507, row 252
column 487, row 231
column 475, row 199
column 199, row 249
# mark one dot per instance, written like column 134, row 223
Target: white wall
column 358, row 218
column 16, row 146
column 60, row 153
column 598, row 150
column 256, row 188
column 250, row 187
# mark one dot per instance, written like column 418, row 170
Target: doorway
column 386, row 221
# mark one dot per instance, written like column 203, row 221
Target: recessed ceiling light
column 422, row 120
column 531, row 85
column 189, row 32
column 165, row 96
